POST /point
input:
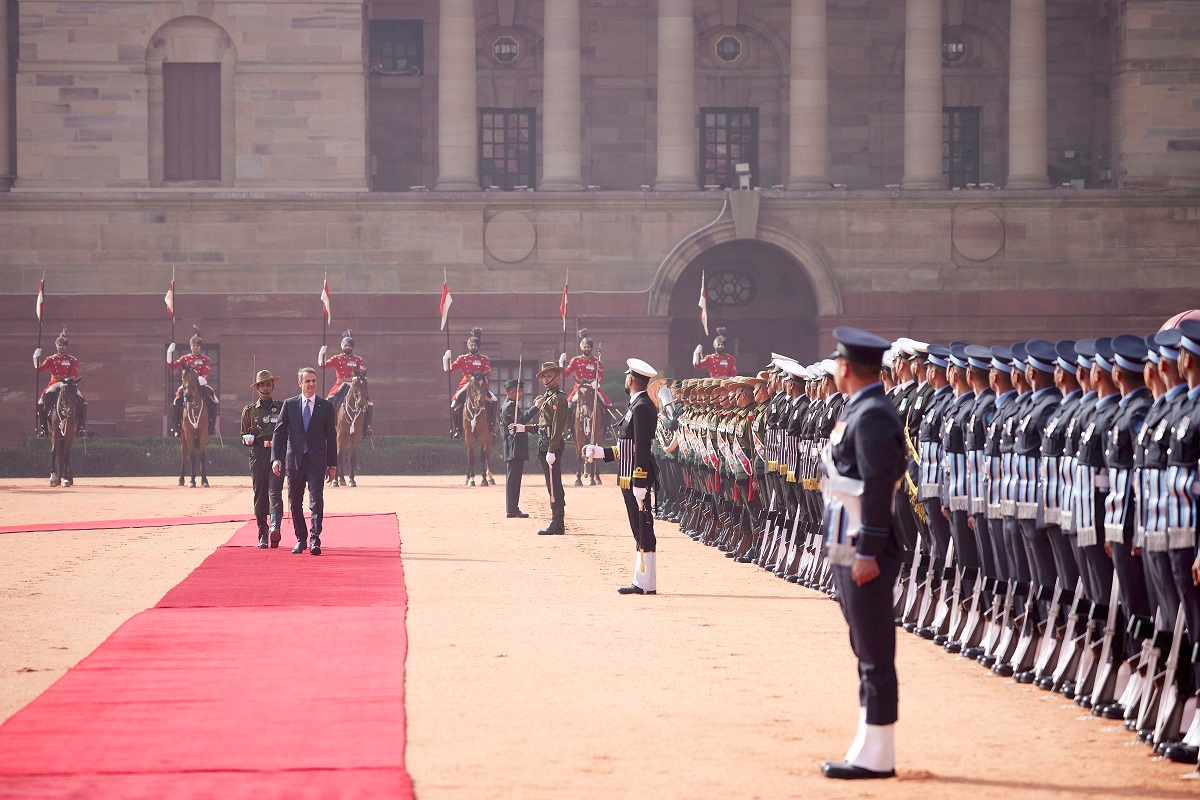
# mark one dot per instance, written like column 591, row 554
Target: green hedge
column 390, row 455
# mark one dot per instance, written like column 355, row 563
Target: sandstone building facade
column 983, row 169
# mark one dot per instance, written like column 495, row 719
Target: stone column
column 923, row 95
column 458, row 123
column 6, row 168
column 1027, row 96
column 808, row 153
column 677, row 132
column 562, row 108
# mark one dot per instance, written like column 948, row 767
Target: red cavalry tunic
column 718, row 366
column 60, row 368
column 470, row 365
column 201, row 363
column 344, row 367
column 585, row 369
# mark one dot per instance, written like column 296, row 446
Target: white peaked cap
column 639, row 367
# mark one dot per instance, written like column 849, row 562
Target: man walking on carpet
column 305, row 439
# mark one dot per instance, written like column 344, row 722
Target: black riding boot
column 81, row 430
column 177, row 417
column 367, row 432
column 43, row 424
column 491, row 416
column 213, row 413
column 556, row 526
column 456, row 417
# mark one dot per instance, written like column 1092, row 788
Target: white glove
column 517, row 428
column 550, row 457
column 446, row 361
column 321, row 356
column 639, row 494
column 248, row 439
column 697, row 354
column 170, row 352
column 37, row 355
column 595, row 384
column 593, row 451
column 562, row 360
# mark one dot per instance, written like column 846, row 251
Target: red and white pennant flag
column 447, row 299
column 41, row 298
column 325, row 299
column 169, row 299
column 703, row 304
column 562, row 308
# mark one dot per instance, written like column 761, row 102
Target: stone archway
column 756, row 291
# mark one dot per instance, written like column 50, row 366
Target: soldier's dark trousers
column 1099, row 575
column 907, row 523
column 1134, row 597
column 939, row 527
column 1189, row 593
column 641, row 523
column 1018, row 564
column 1160, row 583
column 983, row 545
column 309, row 475
column 268, row 490
column 869, row 612
column 1064, row 558
column 1038, row 552
column 554, row 485
column 513, row 470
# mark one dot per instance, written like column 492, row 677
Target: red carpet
column 152, row 522
column 261, row 675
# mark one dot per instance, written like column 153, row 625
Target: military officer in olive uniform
column 516, row 446
column 258, row 425
column 552, row 425
column 865, row 460
column 636, row 472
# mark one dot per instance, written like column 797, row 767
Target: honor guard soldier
column 471, row 363
column 202, row 364
column 586, row 369
column 552, row 425
column 346, row 366
column 258, row 426
column 719, row 364
column 636, row 472
column 516, row 446
column 61, row 366
column 864, row 462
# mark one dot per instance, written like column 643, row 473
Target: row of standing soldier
column 1049, row 506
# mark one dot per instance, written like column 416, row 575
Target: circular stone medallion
column 509, row 236
column 978, row 234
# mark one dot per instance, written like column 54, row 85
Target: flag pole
column 41, row 300
column 324, row 323
column 167, row 378
column 449, row 380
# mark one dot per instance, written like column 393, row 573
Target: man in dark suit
column 865, row 461
column 306, row 440
column 636, row 472
column 516, row 446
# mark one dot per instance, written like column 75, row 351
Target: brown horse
column 589, row 429
column 193, row 435
column 476, row 429
column 64, row 422
column 350, row 423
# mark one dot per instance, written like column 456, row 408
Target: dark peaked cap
column 1130, row 352
column 859, row 346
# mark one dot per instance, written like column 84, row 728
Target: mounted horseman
column 61, row 366
column 719, row 364
column 345, row 366
column 202, row 365
column 587, row 370
column 471, row 363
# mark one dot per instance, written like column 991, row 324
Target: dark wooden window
column 507, row 148
column 397, row 47
column 192, row 122
column 728, row 136
column 960, row 146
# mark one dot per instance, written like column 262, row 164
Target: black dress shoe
column 262, row 541
column 519, row 515
column 555, row 528
column 300, row 547
column 842, row 770
column 631, row 589
column 316, row 547
column 1182, row 753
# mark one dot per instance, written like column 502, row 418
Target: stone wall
column 1157, row 77
column 990, row 266
column 89, row 91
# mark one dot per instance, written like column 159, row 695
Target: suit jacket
column 516, row 445
column 287, row 443
column 639, row 424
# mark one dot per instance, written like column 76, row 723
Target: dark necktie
column 307, row 417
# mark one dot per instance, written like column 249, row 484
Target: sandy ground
column 529, row 677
